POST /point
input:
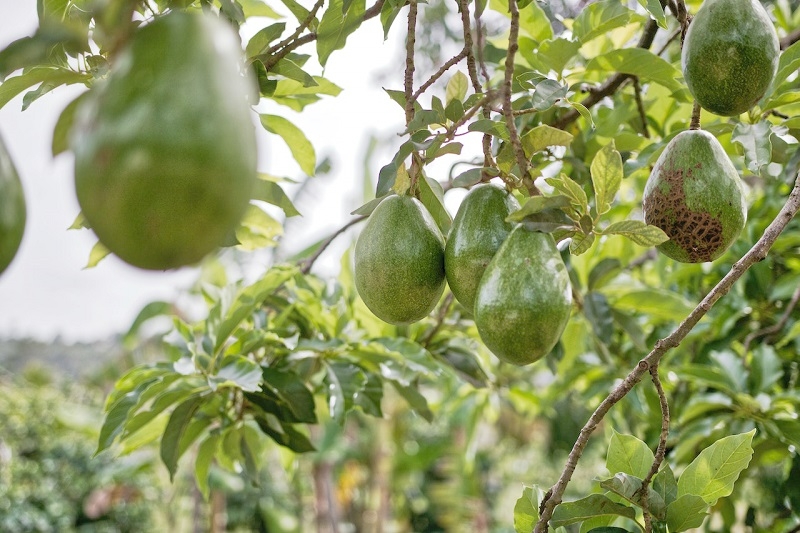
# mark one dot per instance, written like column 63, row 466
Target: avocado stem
column 695, row 123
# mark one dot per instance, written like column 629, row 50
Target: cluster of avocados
column 694, row 193
column 165, row 146
column 512, row 279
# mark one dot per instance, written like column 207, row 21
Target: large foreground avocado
column 12, row 209
column 399, row 261
column 165, row 149
column 695, row 195
column 730, row 55
column 478, row 230
column 524, row 298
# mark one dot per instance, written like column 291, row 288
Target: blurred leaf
column 285, row 395
column 456, row 87
column 548, row 221
column 598, row 313
column 766, row 368
column 638, row 62
column 656, row 10
column 657, row 303
column 178, row 423
column 788, row 64
column 151, row 310
column 240, row 371
column 268, row 191
column 537, row 204
column 755, row 140
column 64, row 125
column 601, row 17
column 415, row 400
column 205, row 456
column 285, row 435
column 261, row 41
column 639, row 232
column 257, row 230
column 345, row 381
column 604, row 271
column 97, row 254
column 526, row 510
column 711, row 474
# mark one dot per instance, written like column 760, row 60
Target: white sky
column 47, row 293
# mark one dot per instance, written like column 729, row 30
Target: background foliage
column 288, row 395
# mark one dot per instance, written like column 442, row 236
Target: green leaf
column 656, row 10
column 547, row 93
column 755, row 140
column 285, row 435
column 639, row 62
column 687, row 512
column 526, row 510
column 299, row 12
column 178, row 423
column 415, row 400
column 285, row 395
column 336, row 25
column 267, row 190
column 257, row 8
column 543, row 136
column 659, row 304
column 639, row 232
column 260, row 42
column 589, row 507
column 96, row 254
column 257, row 230
column 248, row 299
column 665, row 485
column 389, row 12
column 601, row 17
column 712, row 474
column 456, row 87
column 205, row 456
column 553, row 54
column 301, row 148
column 598, row 313
column 629, row 455
column 537, row 204
column 581, row 242
column 151, row 310
column 64, row 125
column 432, row 197
column 496, row 128
column 582, row 110
column 388, row 173
column 288, row 68
column 117, row 414
column 240, row 371
column 549, row 221
column 607, row 173
column 570, row 188
column 54, row 76
column 788, row 64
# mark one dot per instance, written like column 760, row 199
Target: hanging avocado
column 478, row 230
column 524, row 298
column 165, row 149
column 730, row 55
column 399, row 261
column 12, row 209
column 695, row 195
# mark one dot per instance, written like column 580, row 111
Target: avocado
column 165, row 147
column 478, row 230
column 695, row 195
column 730, row 55
column 524, row 298
column 399, row 261
column 12, row 209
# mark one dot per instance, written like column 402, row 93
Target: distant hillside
column 77, row 360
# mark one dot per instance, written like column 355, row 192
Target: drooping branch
column 661, row 449
column 757, row 253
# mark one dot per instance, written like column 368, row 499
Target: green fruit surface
column 12, row 209
column 399, row 261
column 478, row 230
column 524, row 298
column 730, row 55
column 695, row 195
column 165, row 149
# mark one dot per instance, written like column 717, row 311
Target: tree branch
column 661, row 449
column 790, row 39
column 300, row 28
column 757, row 253
column 775, row 328
column 612, row 84
column 409, row 75
column 306, row 265
column 439, row 73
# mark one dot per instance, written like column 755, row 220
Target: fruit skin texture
column 730, row 55
column 12, row 209
column 695, row 195
column 399, row 261
column 524, row 298
column 478, row 230
column 165, row 149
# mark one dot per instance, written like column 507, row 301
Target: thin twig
column 637, row 92
column 300, row 29
column 661, row 449
column 757, row 253
column 308, row 263
column 508, row 111
column 440, row 317
column 439, row 73
column 483, row 103
column 790, row 39
column 409, row 76
column 775, row 328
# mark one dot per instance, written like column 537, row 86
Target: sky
column 46, row 292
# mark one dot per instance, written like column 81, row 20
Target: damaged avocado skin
column 695, row 195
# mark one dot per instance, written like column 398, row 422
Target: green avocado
column 524, row 298
column 730, row 55
column 478, row 230
column 695, row 195
column 399, row 261
column 12, row 209
column 165, row 147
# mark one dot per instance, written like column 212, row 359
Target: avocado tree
column 654, row 238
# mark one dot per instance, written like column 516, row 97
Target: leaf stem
column 306, row 265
